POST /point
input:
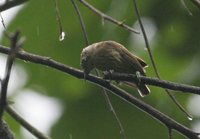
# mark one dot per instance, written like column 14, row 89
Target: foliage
column 86, row 115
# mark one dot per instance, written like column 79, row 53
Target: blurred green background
column 174, row 36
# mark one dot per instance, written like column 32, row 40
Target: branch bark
column 25, row 124
column 196, row 3
column 10, row 60
column 5, row 132
column 166, row 120
column 11, row 3
column 153, row 81
column 109, row 18
column 153, row 61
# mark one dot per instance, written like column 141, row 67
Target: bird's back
column 113, row 55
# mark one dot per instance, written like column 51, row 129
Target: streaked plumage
column 112, row 56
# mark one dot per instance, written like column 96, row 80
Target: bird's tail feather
column 142, row 88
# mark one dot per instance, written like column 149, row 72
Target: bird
column 112, row 56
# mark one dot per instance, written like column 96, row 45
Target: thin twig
column 25, row 124
column 11, row 3
column 119, row 123
column 46, row 61
column 10, row 60
column 122, row 132
column 170, row 132
column 15, row 46
column 186, row 7
column 2, row 21
column 108, row 18
column 58, row 18
column 5, row 132
column 81, row 22
column 196, row 3
column 153, row 61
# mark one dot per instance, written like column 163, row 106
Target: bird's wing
column 135, row 62
column 142, row 62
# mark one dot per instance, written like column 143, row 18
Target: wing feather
column 132, row 61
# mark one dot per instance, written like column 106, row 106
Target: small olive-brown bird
column 112, row 56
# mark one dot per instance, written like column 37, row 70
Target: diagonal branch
column 11, row 3
column 108, row 101
column 81, row 22
column 25, row 124
column 15, row 46
column 2, row 21
column 5, row 132
column 108, row 18
column 10, row 60
column 173, row 98
column 166, row 120
column 58, row 19
column 196, row 3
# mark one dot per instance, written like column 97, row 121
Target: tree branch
column 5, row 132
column 196, row 3
column 25, row 124
column 81, row 23
column 10, row 60
column 104, row 91
column 170, row 132
column 153, row 61
column 15, row 45
column 10, row 4
column 153, row 81
column 115, row 90
column 58, row 19
column 108, row 18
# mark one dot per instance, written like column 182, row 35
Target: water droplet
column 62, row 36
column 190, row 118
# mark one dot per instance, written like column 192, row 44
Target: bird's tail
column 142, row 88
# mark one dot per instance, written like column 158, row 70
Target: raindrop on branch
column 190, row 118
column 62, row 36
